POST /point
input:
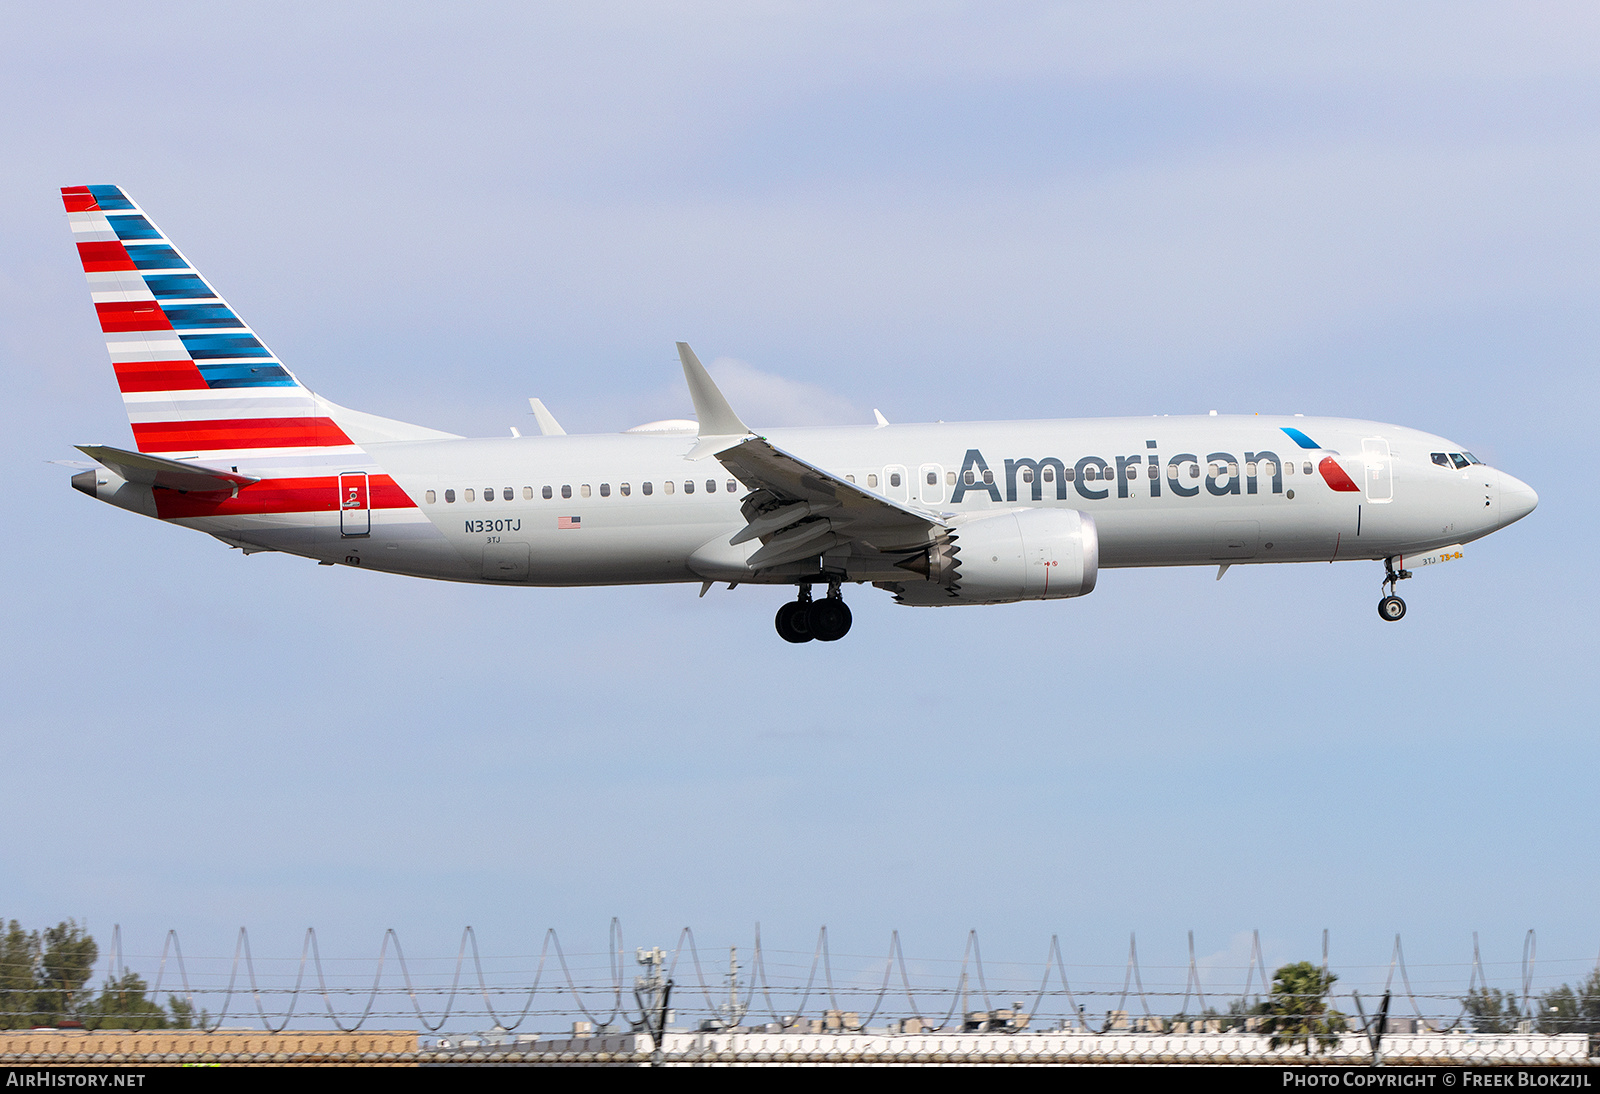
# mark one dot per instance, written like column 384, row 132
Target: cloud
column 762, row 398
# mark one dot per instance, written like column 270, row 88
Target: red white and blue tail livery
column 227, row 440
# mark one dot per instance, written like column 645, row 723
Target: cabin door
column 1380, row 469
column 355, row 512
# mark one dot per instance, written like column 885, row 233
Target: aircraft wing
column 798, row 510
column 193, row 478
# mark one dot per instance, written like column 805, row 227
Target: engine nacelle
column 1026, row 554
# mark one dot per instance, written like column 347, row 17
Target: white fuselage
column 632, row 508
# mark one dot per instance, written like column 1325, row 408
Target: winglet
column 878, row 414
column 716, row 417
column 548, row 426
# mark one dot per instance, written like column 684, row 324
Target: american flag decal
column 569, row 522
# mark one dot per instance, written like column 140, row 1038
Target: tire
column 1391, row 609
column 828, row 620
column 791, row 622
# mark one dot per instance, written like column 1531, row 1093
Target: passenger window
column 850, row 478
column 711, row 486
column 666, row 487
column 1288, row 468
column 1133, row 472
column 933, row 478
column 968, row 477
column 507, row 494
column 1048, row 474
column 894, row 478
column 949, row 478
column 1306, row 467
column 1458, row 459
column 1155, row 471
column 688, row 486
column 430, row 497
column 584, row 489
column 605, row 490
column 624, row 489
column 648, row 488
column 733, row 486
column 1441, row 459
column 988, row 478
column 488, row 493
column 1194, row 470
column 1069, row 475
column 466, row 495
column 1233, row 469
column 1027, row 474
column 872, row 480
column 566, row 491
column 546, row 493
column 1091, row 472
column 527, row 493
column 449, row 497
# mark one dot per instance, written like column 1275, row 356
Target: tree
column 42, row 973
column 1298, row 1008
column 1241, row 1013
column 17, row 960
column 66, row 961
column 1492, row 1010
column 122, row 1005
column 1569, row 1010
column 184, row 1015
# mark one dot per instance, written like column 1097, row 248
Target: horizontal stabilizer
column 148, row 470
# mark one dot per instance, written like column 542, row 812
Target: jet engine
column 1026, row 554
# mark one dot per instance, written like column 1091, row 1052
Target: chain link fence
column 761, row 1004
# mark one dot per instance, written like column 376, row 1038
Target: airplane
column 227, row 441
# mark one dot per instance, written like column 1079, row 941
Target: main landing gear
column 803, row 619
column 1391, row 609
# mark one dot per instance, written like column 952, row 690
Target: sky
column 942, row 211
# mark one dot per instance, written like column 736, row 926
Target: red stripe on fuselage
column 314, row 495
column 101, row 257
column 216, row 436
column 159, row 376
column 132, row 315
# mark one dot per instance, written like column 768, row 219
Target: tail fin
column 195, row 378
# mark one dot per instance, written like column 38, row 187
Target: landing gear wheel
column 792, row 622
column 1391, row 609
column 828, row 620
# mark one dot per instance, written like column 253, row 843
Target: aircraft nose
column 1517, row 499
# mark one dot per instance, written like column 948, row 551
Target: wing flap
column 798, row 510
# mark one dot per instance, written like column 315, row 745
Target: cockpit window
column 1459, row 460
column 1441, row 459
column 1471, row 458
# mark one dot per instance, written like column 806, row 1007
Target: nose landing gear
column 804, row 619
column 1391, row 609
